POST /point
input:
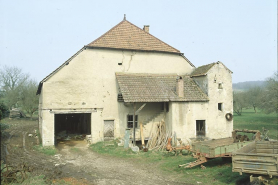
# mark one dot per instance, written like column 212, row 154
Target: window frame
column 201, row 128
column 129, row 121
column 220, row 106
column 220, row 85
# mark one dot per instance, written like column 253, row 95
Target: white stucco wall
column 183, row 115
column 88, row 83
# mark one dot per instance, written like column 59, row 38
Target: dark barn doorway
column 72, row 125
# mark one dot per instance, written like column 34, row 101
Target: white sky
column 38, row 36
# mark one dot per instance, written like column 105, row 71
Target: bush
column 3, row 127
column 3, row 110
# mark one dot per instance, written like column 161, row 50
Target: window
column 130, row 121
column 200, row 128
column 120, row 97
column 167, row 106
column 220, row 86
column 220, row 106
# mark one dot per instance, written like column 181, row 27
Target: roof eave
column 58, row 69
column 97, row 47
column 198, row 75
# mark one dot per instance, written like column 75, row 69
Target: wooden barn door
column 108, row 129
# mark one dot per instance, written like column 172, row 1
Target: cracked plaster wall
column 88, row 84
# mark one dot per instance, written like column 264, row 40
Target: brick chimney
column 179, row 86
column 146, row 28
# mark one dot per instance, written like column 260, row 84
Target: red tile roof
column 126, row 35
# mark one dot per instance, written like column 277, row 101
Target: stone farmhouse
column 98, row 89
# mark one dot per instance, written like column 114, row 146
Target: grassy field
column 256, row 121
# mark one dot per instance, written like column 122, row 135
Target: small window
column 220, row 106
column 167, row 106
column 200, row 128
column 130, row 121
column 220, row 86
column 120, row 97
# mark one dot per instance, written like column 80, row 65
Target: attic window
column 220, row 86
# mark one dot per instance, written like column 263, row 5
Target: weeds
column 111, row 148
column 33, row 180
column 75, row 149
column 45, row 150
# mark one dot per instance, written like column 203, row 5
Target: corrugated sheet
column 157, row 88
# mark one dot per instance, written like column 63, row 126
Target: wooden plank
column 142, row 135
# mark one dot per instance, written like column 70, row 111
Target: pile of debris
column 65, row 136
column 16, row 113
column 159, row 137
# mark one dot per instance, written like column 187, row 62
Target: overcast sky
column 38, row 36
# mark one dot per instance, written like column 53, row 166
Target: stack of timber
column 159, row 137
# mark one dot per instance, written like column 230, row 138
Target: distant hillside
column 244, row 86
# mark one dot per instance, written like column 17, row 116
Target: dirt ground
column 75, row 163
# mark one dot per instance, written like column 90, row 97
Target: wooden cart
column 260, row 157
column 206, row 150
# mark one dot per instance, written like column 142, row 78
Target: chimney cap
column 146, row 28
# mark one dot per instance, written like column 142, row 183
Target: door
column 108, row 132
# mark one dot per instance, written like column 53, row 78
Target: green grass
column 47, row 150
column 73, row 149
column 111, row 148
column 255, row 121
column 33, row 180
column 216, row 172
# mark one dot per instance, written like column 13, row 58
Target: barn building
column 98, row 89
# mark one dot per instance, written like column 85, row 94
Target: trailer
column 257, row 158
column 224, row 147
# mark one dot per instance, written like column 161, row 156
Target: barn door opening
column 72, row 126
column 108, row 130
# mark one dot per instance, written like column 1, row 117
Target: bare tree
column 239, row 102
column 269, row 100
column 28, row 99
column 11, row 81
column 253, row 97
